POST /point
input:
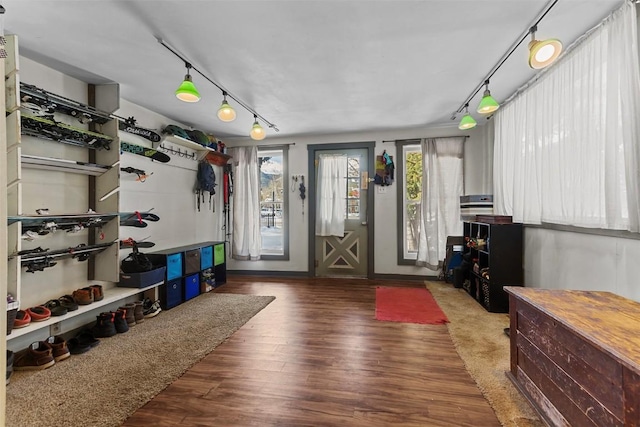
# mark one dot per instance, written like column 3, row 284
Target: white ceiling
column 310, row 67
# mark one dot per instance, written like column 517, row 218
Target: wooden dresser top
column 606, row 320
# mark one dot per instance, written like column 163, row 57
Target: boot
column 138, row 312
column 120, row 321
column 105, row 326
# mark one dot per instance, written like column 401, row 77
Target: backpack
column 206, row 181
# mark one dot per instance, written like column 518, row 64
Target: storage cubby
column 495, row 252
column 191, row 270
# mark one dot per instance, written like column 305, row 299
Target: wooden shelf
column 110, row 296
column 203, row 152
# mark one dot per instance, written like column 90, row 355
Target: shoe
column 129, row 315
column 56, row 308
column 39, row 313
column 59, row 348
column 82, row 342
column 37, row 357
column 83, row 296
column 104, row 327
column 151, row 308
column 68, row 302
column 120, row 321
column 22, row 319
column 138, row 312
column 9, row 365
column 98, row 295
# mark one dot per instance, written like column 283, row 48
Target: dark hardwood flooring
column 316, row 356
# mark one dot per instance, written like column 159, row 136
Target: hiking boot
column 83, row 296
column 129, row 313
column 37, row 357
column 120, row 321
column 9, row 365
column 104, row 326
column 59, row 348
column 98, row 295
column 151, row 308
column 138, row 312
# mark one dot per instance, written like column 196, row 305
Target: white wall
column 385, row 240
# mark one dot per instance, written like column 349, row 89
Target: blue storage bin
column 171, row 294
column 174, row 266
column 206, row 257
column 191, row 286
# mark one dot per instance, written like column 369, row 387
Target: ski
column 44, row 102
column 124, row 216
column 135, row 222
column 129, row 126
column 80, row 252
column 130, row 243
column 46, row 128
column 144, row 152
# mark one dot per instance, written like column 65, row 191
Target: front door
column 345, row 255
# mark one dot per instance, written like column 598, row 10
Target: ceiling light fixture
column 225, row 93
column 488, row 104
column 542, row 53
column 257, row 132
column 467, row 122
column 187, row 91
column 226, row 113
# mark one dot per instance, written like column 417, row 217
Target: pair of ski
column 38, row 259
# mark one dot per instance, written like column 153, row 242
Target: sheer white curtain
column 567, row 147
column 246, row 238
column 331, row 193
column 442, row 186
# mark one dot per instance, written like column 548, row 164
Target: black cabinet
column 191, row 270
column 495, row 251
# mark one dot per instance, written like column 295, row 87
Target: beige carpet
column 481, row 343
column 107, row 384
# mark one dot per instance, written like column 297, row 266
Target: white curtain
column 246, row 239
column 442, row 186
column 567, row 147
column 331, row 193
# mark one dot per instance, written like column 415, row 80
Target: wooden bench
column 575, row 355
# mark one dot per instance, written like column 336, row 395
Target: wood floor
column 317, row 357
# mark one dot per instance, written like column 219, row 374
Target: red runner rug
column 408, row 305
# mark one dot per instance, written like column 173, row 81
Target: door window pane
column 272, row 201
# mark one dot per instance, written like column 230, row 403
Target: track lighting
column 488, row 104
column 187, row 91
column 542, row 53
column 467, row 121
column 226, row 113
column 257, row 132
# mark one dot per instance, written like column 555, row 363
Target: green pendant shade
column 467, row 122
column 487, row 104
column 257, row 132
column 226, row 113
column 187, row 91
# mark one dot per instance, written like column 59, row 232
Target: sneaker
column 120, row 321
column 104, row 327
column 98, row 295
column 138, row 312
column 129, row 313
column 9, row 365
column 151, row 308
column 82, row 342
column 37, row 357
column 59, row 348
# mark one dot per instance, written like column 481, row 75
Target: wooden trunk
column 576, row 355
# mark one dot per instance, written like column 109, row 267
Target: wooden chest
column 576, row 355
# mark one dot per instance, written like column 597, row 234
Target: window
column 353, row 188
column 274, row 227
column 409, row 180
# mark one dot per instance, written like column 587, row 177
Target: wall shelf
column 62, row 165
column 111, row 295
column 202, row 152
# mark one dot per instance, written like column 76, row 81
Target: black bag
column 136, row 262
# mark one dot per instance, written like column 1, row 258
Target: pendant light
column 187, row 91
column 226, row 113
column 257, row 132
column 487, row 104
column 542, row 53
column 467, row 121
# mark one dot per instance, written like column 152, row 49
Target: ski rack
column 46, row 128
column 36, row 95
column 51, row 163
column 38, row 222
column 82, row 252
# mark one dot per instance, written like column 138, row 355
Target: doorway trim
column 311, row 191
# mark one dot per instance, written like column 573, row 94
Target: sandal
column 56, row 308
column 68, row 302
